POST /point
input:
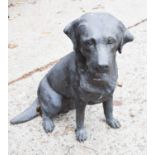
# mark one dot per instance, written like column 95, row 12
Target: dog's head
column 96, row 37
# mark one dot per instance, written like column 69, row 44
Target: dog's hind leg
column 48, row 123
column 51, row 104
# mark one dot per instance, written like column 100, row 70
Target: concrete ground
column 35, row 35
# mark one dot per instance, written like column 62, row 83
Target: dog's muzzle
column 102, row 68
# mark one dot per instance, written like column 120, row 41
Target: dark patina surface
column 87, row 75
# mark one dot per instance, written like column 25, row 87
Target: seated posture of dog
column 87, row 75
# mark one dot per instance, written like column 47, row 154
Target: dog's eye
column 89, row 42
column 110, row 40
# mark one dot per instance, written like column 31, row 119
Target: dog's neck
column 80, row 62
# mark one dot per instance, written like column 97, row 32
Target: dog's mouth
column 99, row 76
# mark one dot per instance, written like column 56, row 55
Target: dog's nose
column 103, row 68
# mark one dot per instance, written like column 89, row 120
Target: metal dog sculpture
column 87, row 75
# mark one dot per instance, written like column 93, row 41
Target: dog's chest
column 92, row 92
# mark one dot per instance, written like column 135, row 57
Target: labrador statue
column 86, row 76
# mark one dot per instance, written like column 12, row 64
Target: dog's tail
column 28, row 114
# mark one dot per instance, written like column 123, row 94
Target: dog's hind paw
column 48, row 125
column 114, row 123
column 81, row 135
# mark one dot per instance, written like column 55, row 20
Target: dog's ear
column 70, row 31
column 126, row 37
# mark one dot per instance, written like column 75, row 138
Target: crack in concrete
column 138, row 23
column 42, row 68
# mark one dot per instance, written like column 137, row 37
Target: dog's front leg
column 81, row 134
column 108, row 111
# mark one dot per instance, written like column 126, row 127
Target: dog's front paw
column 81, row 135
column 114, row 123
column 48, row 125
